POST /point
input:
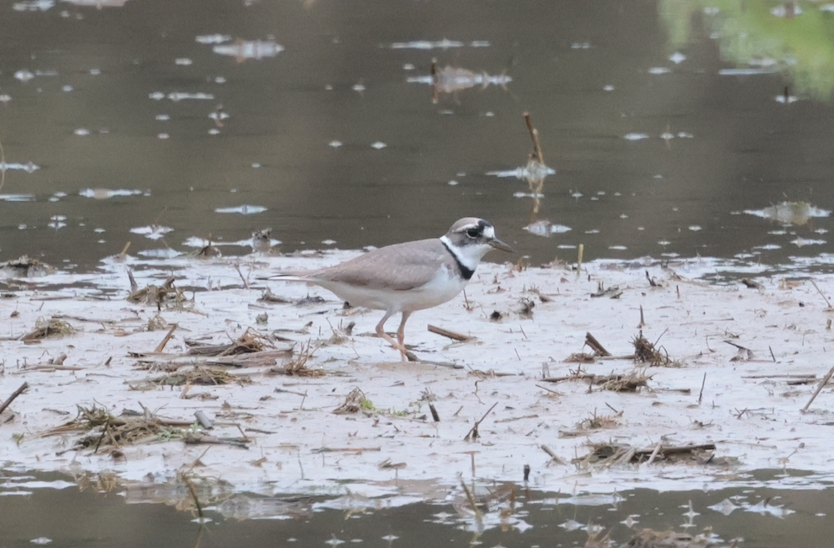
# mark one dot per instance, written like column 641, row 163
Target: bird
column 410, row 276
column 261, row 240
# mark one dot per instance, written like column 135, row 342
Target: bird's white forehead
column 489, row 232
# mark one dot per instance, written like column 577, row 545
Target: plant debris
column 198, row 375
column 611, row 454
column 251, row 341
column 105, row 430
column 52, row 327
column 298, row 367
column 26, row 267
column 645, row 352
column 580, row 357
column 649, row 538
column 596, row 422
column 269, row 297
column 152, row 295
column 354, row 402
column 631, row 382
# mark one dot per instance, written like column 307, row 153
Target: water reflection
column 48, row 508
column 790, row 213
column 98, row 3
column 242, row 50
column 448, row 80
column 791, row 37
column 320, row 127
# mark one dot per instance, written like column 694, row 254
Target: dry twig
column 14, row 395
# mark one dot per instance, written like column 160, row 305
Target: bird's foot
column 406, row 355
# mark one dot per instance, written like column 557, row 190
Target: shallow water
column 672, row 124
column 690, row 128
column 58, row 512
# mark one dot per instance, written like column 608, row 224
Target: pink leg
column 401, row 335
column 381, row 332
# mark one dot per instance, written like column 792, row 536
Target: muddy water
column 760, row 517
column 672, row 125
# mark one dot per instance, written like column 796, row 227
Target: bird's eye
column 473, row 233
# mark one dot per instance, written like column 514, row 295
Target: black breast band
column 464, row 271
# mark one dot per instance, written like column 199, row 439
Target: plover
column 409, row 276
column 261, row 240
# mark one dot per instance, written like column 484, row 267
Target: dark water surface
column 675, row 126
column 665, row 120
column 761, row 518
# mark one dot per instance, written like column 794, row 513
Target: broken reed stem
column 553, row 456
column 124, row 251
column 471, row 500
column 821, row 293
column 701, row 393
column 473, row 432
column 449, row 334
column 167, row 338
column 245, row 283
column 660, row 336
column 822, row 383
column 591, row 341
column 654, row 453
column 534, row 136
column 579, row 258
column 548, row 389
column 193, row 496
column 434, row 415
column 15, row 394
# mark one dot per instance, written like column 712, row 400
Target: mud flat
column 209, row 371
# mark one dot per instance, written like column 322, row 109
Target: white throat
column 469, row 256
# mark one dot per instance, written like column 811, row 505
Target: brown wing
column 399, row 267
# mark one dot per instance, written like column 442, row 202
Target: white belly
column 443, row 287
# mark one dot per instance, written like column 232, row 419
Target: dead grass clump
column 105, row 430
column 52, row 327
column 298, row 366
column 538, row 293
column 341, row 333
column 153, row 295
column 250, row 342
column 610, row 454
column 199, row 375
column 525, row 308
column 596, row 539
column 596, row 422
column 27, row 267
column 354, row 403
column 208, row 251
column 102, row 482
column 269, row 297
column 649, row 538
column 156, row 323
column 631, row 382
column 646, row 352
column 580, row 357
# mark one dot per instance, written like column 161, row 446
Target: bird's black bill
column 498, row 244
